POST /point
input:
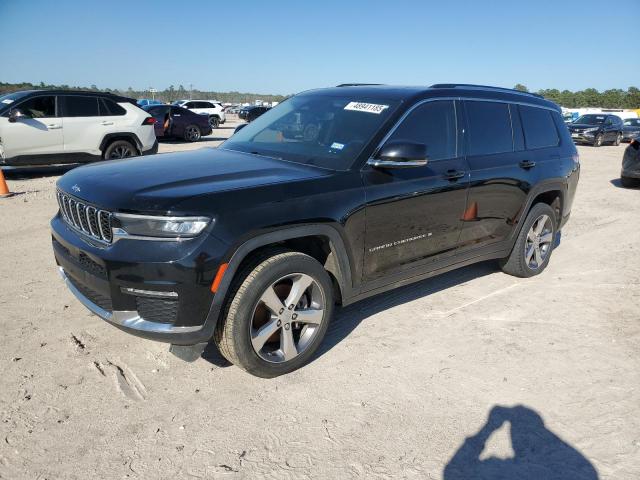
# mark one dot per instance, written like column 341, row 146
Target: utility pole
column 191, row 91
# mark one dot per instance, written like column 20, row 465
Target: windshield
column 326, row 131
column 9, row 98
column 591, row 119
column 632, row 122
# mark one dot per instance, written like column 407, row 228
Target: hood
column 581, row 126
column 157, row 183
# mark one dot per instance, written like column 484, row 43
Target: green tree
column 520, row 87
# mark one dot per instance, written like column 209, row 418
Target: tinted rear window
column 110, row 108
column 81, row 107
column 539, row 128
column 489, row 128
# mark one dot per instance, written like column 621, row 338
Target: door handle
column 454, row 175
column 177, row 115
column 107, row 123
column 527, row 164
column 53, row 126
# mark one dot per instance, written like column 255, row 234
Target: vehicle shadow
column 17, row 173
column 179, row 141
column 349, row 317
column 538, row 452
column 616, row 182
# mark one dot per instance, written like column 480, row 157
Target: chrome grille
column 86, row 218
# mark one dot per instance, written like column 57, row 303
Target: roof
column 84, row 93
column 456, row 90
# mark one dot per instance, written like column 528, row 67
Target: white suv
column 212, row 108
column 46, row 127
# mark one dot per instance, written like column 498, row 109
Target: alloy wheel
column 121, row 151
column 213, row 122
column 287, row 318
column 538, row 244
column 192, row 134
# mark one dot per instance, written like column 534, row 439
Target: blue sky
column 286, row 46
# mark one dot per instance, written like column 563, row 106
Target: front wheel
column 277, row 315
column 597, row 142
column 214, row 122
column 534, row 245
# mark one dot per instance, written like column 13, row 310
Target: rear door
column 38, row 136
column 502, row 172
column 413, row 215
column 84, row 128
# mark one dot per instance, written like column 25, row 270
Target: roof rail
column 484, row 87
column 358, row 84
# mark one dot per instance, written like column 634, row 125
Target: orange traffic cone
column 471, row 213
column 4, row 189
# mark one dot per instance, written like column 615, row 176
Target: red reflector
column 149, row 121
column 216, row 281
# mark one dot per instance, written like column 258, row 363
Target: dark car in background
column 596, row 129
column 250, row 113
column 178, row 122
column 630, row 174
column 630, row 129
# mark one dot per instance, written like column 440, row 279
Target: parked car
column 251, row 112
column 596, row 129
column 143, row 102
column 213, row 109
column 48, row 127
column 630, row 129
column 250, row 245
column 630, row 174
column 172, row 121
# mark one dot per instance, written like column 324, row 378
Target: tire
column 525, row 259
column 627, row 182
column 192, row 133
column 272, row 277
column 597, row 142
column 120, row 149
column 214, row 122
column 618, row 139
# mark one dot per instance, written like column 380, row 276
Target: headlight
column 129, row 225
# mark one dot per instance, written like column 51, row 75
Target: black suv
column 597, row 129
column 251, row 245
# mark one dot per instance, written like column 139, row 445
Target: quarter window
column 433, row 124
column 109, row 108
column 489, row 128
column 39, row 107
column 81, row 107
column 539, row 127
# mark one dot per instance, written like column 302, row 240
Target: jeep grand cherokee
column 250, row 245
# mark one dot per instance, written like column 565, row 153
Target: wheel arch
column 109, row 138
column 551, row 192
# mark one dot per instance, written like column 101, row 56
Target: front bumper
column 156, row 290
column 581, row 137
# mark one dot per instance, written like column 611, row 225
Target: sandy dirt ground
column 467, row 373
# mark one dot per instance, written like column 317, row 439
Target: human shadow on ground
column 539, row 453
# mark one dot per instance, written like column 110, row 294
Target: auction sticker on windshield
column 366, row 107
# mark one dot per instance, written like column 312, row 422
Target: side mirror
column 400, row 155
column 16, row 114
column 240, row 127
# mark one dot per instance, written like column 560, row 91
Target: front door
column 414, row 215
column 36, row 138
